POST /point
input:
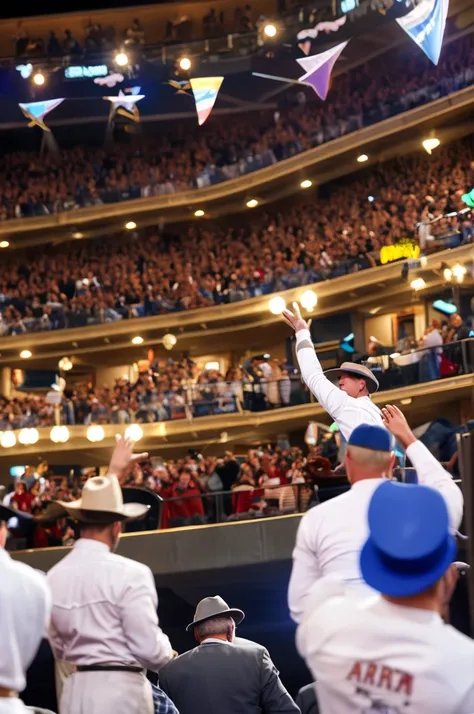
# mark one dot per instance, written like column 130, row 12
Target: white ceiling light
column 418, row 284
column 430, row 144
column 95, row 433
column 276, row 305
column 134, row 432
column 8, row 439
column 59, row 434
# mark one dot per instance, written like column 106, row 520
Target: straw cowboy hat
column 101, row 502
column 358, row 370
column 211, row 607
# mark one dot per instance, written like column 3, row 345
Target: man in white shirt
column 391, row 652
column 104, row 618
column 350, row 403
column 25, row 607
column 330, row 535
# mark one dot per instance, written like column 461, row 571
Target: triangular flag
column 319, row 67
column 425, row 25
column 205, row 90
column 36, row 111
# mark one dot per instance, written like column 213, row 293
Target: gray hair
column 221, row 625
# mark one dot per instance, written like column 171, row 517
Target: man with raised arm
column 350, row 403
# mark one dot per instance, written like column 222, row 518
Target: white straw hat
column 102, row 502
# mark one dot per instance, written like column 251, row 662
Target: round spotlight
column 28, row 436
column 59, row 434
column 309, row 300
column 306, row 183
column 121, row 59
column 137, row 340
column 252, row 203
column 39, row 79
column 185, row 64
column 26, row 354
column 134, row 432
column 448, row 274
column 199, row 213
column 8, row 439
column 4, row 244
column 95, row 433
column 77, row 235
column 459, row 271
column 65, row 364
column 169, row 341
column 362, row 158
column 269, row 30
column 430, row 144
column 418, row 284
column 370, row 199
column 130, row 225
column 276, row 305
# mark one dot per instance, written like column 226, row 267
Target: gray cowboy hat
column 215, row 606
column 357, row 369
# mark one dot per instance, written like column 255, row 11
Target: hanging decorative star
column 126, row 104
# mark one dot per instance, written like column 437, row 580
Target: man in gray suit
column 220, row 676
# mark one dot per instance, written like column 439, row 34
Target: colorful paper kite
column 126, row 104
column 36, row 111
column 205, row 90
column 425, row 25
column 319, row 67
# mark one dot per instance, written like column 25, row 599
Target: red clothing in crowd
column 188, row 507
column 22, row 501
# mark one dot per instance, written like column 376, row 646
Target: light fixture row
column 61, row 435
column 308, row 300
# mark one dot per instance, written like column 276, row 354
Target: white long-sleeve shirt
column 347, row 411
column 370, row 655
column 331, row 535
column 105, row 610
column 25, row 606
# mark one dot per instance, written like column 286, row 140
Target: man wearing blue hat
column 349, row 404
column 392, row 652
column 330, row 536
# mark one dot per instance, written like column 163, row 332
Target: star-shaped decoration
column 127, row 101
column 181, row 85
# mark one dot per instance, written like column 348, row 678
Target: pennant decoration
column 425, row 25
column 36, row 111
column 468, row 198
column 205, row 90
column 318, row 69
column 126, row 104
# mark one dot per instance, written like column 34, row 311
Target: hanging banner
column 319, row 67
column 125, row 104
column 36, row 111
column 205, row 90
column 425, row 25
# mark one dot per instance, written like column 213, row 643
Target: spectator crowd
column 185, row 158
column 78, row 284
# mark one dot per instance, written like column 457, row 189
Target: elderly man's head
column 369, row 454
column 220, row 628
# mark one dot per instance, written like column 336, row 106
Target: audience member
column 221, row 674
column 321, row 549
column 104, row 620
column 392, row 652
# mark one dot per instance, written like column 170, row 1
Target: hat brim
column 6, row 513
column 236, row 614
column 75, row 509
column 372, row 383
column 380, row 577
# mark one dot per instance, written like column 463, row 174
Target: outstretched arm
column 428, row 469
column 327, row 394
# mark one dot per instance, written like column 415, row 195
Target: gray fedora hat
column 215, row 606
column 358, row 370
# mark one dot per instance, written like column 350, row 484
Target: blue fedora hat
column 409, row 545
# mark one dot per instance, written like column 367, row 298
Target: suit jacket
column 218, row 677
column 306, row 700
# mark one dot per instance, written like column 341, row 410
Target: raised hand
column 294, row 319
column 123, row 456
column 394, row 420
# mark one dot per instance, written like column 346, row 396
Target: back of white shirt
column 105, row 610
column 368, row 655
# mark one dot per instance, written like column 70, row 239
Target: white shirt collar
column 214, row 640
column 90, row 544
